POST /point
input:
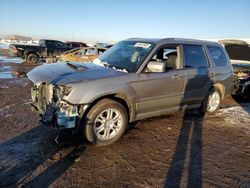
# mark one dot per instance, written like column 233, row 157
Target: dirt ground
column 177, row 150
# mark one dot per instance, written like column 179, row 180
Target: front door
column 159, row 91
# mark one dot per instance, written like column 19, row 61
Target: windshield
column 126, row 55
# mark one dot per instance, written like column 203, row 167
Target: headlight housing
column 67, row 90
column 61, row 91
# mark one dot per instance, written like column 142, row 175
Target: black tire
column 205, row 104
column 32, row 58
column 90, row 122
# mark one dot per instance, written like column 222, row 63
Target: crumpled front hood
column 66, row 73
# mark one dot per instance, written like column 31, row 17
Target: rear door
column 222, row 66
column 199, row 74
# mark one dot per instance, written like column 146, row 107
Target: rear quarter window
column 217, row 55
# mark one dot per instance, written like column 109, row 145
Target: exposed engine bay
column 239, row 54
column 47, row 100
column 242, row 80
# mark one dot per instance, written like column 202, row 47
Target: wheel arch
column 221, row 88
column 121, row 98
column 27, row 52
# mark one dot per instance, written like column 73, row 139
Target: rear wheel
column 32, row 58
column 106, row 122
column 211, row 103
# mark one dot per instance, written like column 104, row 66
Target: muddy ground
column 181, row 149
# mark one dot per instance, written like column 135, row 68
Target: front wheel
column 106, row 122
column 211, row 103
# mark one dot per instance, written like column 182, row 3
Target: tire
column 211, row 103
column 102, row 129
column 32, row 58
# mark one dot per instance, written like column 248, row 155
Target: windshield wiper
column 119, row 69
column 101, row 63
column 105, row 64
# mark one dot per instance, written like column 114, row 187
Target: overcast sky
column 113, row 20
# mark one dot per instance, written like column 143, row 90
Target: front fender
column 88, row 91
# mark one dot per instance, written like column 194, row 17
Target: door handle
column 211, row 74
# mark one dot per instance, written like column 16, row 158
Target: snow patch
column 4, row 46
column 237, row 115
column 5, row 59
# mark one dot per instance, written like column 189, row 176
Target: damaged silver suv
column 133, row 80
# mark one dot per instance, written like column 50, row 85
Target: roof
column 74, row 42
column 172, row 40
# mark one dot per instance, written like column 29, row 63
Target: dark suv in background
column 135, row 79
column 46, row 49
column 76, row 44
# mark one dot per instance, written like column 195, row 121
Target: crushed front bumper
column 47, row 101
column 67, row 115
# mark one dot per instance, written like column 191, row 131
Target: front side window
column 217, row 55
column 194, row 57
column 90, row 51
column 126, row 55
column 170, row 56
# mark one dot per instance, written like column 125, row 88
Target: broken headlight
column 60, row 91
column 67, row 90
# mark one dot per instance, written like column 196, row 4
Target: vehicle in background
column 76, row 44
column 239, row 54
column 133, row 80
column 32, row 53
column 103, row 45
column 242, row 82
column 87, row 54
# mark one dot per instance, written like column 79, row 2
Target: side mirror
column 154, row 66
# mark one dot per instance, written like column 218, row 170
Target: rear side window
column 217, row 55
column 194, row 57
